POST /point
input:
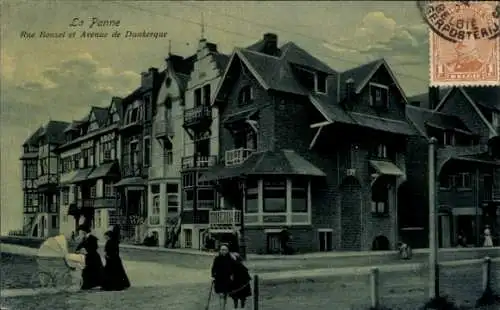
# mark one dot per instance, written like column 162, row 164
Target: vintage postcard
column 264, row 155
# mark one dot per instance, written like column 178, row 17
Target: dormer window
column 379, row 95
column 246, row 96
column 320, row 83
column 133, row 115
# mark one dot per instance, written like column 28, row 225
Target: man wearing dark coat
column 222, row 273
column 92, row 273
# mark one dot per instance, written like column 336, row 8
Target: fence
column 372, row 288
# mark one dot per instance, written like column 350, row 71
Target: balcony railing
column 132, row 170
column 237, row 156
column 163, row 129
column 46, row 179
column 224, row 218
column 190, row 162
column 197, row 114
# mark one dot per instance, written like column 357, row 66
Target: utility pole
column 433, row 241
column 243, row 246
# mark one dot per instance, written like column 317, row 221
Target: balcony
column 224, row 219
column 163, row 129
column 191, row 162
column 132, row 125
column 134, row 170
column 85, row 203
column 198, row 116
column 47, row 180
column 237, row 156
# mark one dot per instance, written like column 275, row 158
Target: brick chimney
column 270, row 44
column 433, row 97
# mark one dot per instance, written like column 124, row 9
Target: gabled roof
column 486, row 97
column 423, row 118
column 33, row 139
column 221, row 60
column 296, row 55
column 101, row 115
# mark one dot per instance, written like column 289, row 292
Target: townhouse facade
column 200, row 145
column 40, row 180
column 465, row 123
column 308, row 148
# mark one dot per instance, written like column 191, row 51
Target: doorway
column 325, row 240
column 273, row 243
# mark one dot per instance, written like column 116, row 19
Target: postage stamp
column 464, row 42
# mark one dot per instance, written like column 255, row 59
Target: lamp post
column 433, row 241
column 242, row 241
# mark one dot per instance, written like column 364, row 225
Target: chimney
column 349, row 89
column 433, row 97
column 270, row 44
column 149, row 77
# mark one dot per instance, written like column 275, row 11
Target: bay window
column 299, row 196
column 275, row 196
column 252, row 197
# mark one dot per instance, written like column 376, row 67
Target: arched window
column 245, row 97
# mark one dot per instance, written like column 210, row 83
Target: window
column 133, row 115
column 252, row 197
column 448, row 138
column 147, row 151
column 93, row 191
column 299, row 196
column 320, row 82
column 379, row 95
column 245, row 139
column 169, row 155
column 98, row 218
column 65, row 196
column 245, row 97
column 156, row 205
column 275, row 195
column 380, row 197
column 108, row 190
column 76, row 161
column 381, row 151
column 188, row 180
column 464, row 181
column 206, row 195
column 307, row 78
column 351, row 160
column 188, row 238
column 206, row 95
column 197, row 97
column 172, row 198
column 134, row 155
column 202, row 146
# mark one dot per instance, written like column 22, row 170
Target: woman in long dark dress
column 240, row 286
column 115, row 277
column 92, row 273
column 222, row 273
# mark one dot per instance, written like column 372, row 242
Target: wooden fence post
column 255, row 292
column 486, row 272
column 374, row 287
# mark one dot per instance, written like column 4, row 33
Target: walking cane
column 209, row 296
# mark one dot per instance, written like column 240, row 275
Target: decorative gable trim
column 472, row 103
column 393, row 77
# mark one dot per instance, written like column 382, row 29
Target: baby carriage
column 56, row 267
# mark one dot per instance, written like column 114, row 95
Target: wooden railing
column 224, row 218
column 200, row 161
column 237, row 156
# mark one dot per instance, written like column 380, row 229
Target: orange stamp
column 464, row 42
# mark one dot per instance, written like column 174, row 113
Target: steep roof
column 422, row 118
column 54, row 131
column 360, row 73
column 298, row 56
column 101, row 115
column 486, row 97
column 33, row 139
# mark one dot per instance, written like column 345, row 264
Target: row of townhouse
column 267, row 138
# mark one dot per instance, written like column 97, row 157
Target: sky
column 60, row 79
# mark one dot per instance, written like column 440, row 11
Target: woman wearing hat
column 115, row 277
column 92, row 273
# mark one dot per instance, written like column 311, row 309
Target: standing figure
column 285, row 237
column 92, row 273
column 488, row 239
column 115, row 277
column 240, row 286
column 222, row 273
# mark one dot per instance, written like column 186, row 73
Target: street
column 158, row 286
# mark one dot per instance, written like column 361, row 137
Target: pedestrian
column 240, row 285
column 92, row 273
column 115, row 277
column 488, row 239
column 222, row 273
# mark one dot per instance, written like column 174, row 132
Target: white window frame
column 188, row 242
column 462, row 177
column 156, row 205
column 108, row 190
column 382, row 150
column 316, row 83
column 373, row 85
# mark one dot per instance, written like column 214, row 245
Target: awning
column 81, row 175
column 282, row 162
column 101, row 171
column 386, row 168
column 66, row 178
column 134, row 181
column 239, row 116
column 73, row 210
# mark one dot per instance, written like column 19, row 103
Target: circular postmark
column 457, row 21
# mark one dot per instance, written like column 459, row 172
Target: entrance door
column 444, row 231
column 188, row 238
column 273, row 243
column 325, row 241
